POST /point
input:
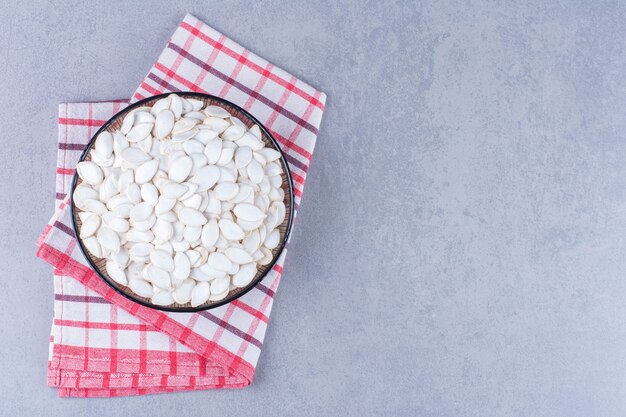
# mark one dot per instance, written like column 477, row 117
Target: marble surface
column 460, row 246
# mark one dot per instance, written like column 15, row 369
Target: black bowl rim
column 245, row 289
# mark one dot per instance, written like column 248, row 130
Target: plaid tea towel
column 104, row 345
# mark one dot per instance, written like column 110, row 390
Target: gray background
column 460, row 246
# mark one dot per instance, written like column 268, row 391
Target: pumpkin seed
column 93, row 245
column 141, row 288
column 90, row 172
column 180, row 169
column 162, row 259
column 164, row 123
column 116, row 273
column 191, row 217
column 182, row 294
column 248, row 212
column 90, row 226
column 245, row 275
column 206, row 177
column 139, row 132
column 162, row 298
column 200, row 294
column 146, row 171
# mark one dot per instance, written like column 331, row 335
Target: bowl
column 98, row 264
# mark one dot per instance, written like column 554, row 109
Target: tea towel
column 103, row 344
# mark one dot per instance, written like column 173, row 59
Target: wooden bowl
column 113, row 124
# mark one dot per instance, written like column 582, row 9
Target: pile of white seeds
column 183, row 202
